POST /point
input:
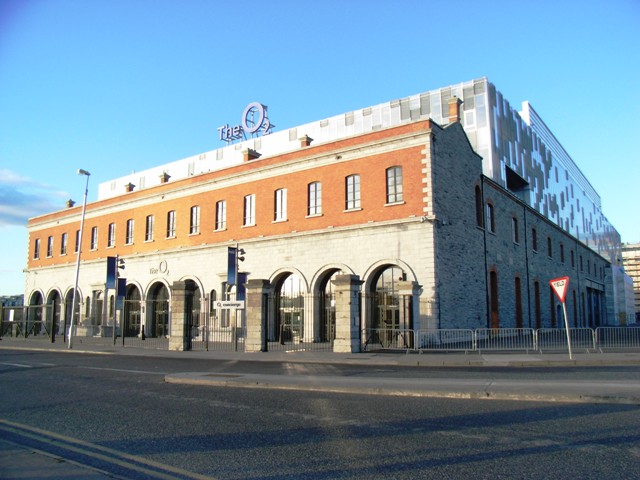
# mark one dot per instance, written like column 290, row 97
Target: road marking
column 121, row 370
column 149, row 468
column 16, row 365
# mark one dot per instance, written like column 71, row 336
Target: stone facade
column 444, row 254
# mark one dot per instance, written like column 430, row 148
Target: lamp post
column 75, row 288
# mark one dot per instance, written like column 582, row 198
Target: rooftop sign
column 255, row 122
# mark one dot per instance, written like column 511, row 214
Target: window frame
column 221, row 215
column 280, row 205
column 194, row 220
column 515, row 230
column 111, row 236
column 352, row 192
column 50, row 246
column 148, row 228
column 171, row 224
column 249, row 210
column 314, row 199
column 130, row 231
column 94, row 238
column 491, row 217
column 64, row 241
column 394, row 187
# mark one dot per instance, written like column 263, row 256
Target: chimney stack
column 454, row 109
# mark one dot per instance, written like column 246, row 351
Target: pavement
column 20, row 462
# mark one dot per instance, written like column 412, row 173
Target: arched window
column 518, row 292
column 479, row 213
column 493, row 296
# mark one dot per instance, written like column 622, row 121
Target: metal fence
column 502, row 339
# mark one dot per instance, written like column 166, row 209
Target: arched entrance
column 390, row 316
column 34, row 315
column 288, row 321
column 326, row 309
column 192, row 310
column 68, row 306
column 52, row 318
column 158, row 310
column 131, row 316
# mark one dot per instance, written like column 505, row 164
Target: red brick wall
column 372, row 171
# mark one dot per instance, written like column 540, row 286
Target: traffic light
column 234, row 255
column 113, row 265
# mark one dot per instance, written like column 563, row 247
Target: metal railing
column 611, row 338
column 549, row 339
column 512, row 339
column 501, row 339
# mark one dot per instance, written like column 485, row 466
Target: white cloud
column 22, row 197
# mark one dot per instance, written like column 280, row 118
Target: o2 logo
column 255, row 121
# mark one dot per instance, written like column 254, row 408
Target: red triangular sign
column 560, row 287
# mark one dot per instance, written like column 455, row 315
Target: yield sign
column 559, row 286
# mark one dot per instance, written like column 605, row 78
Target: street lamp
column 75, row 288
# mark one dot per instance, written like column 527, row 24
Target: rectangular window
column 50, row 246
column 63, row 243
column 221, row 215
column 194, row 220
column 129, row 232
column 77, row 245
column 314, row 198
column 94, row 238
column 280, row 205
column 516, row 232
column 562, row 253
column 549, row 247
column 534, row 239
column 111, row 238
column 352, row 192
column 249, row 210
column 394, row 185
column 171, row 224
column 36, row 249
column 148, row 229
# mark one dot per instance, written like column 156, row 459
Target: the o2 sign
column 255, row 121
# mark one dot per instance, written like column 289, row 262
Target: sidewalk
column 481, row 386
column 431, row 359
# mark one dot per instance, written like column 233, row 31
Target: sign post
column 560, row 287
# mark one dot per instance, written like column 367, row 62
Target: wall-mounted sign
column 255, row 122
column 163, row 268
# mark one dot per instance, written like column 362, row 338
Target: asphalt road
column 118, row 415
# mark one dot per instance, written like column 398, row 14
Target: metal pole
column 566, row 327
column 75, row 288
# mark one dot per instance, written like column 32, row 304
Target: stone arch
column 193, row 302
column 132, row 310
column 376, row 267
column 324, row 314
column 35, row 308
column 53, row 312
column 389, row 310
column 289, row 313
column 158, row 307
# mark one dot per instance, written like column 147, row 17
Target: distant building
column 631, row 259
column 12, row 300
column 447, row 209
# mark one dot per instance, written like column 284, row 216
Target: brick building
column 391, row 204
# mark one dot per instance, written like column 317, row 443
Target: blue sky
column 112, row 86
